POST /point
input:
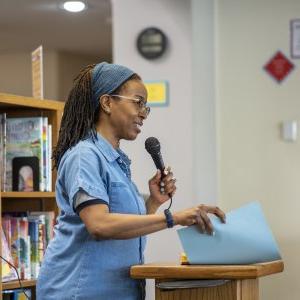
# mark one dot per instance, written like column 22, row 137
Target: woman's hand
column 198, row 215
column 160, row 189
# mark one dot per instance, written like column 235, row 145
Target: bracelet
column 169, row 218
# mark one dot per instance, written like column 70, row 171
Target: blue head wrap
column 106, row 78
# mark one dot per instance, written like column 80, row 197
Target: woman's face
column 126, row 115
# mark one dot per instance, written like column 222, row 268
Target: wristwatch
column 169, row 218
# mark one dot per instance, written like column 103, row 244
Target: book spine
column 6, row 226
column 49, row 158
column 42, row 182
column 24, row 248
column 8, row 273
column 1, row 151
column 15, row 243
column 45, row 153
column 34, row 240
column 4, row 132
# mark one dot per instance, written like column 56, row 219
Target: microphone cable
column 21, row 286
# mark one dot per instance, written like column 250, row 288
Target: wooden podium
column 206, row 282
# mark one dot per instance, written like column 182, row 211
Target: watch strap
column 169, row 218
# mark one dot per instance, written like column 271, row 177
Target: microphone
column 152, row 146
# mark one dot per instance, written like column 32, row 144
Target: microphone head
column 152, row 145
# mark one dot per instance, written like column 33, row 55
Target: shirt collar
column 124, row 157
column 106, row 148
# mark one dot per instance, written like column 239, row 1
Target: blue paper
column 245, row 238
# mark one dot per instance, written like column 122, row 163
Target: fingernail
column 166, row 172
column 213, row 233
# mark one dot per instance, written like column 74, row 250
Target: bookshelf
column 19, row 106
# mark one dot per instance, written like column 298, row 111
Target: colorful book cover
column 24, row 137
column 8, row 272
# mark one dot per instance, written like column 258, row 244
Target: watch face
column 151, row 43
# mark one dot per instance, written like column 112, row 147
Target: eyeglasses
column 140, row 102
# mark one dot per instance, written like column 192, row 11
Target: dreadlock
column 79, row 117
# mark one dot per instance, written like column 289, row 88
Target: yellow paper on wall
column 157, row 92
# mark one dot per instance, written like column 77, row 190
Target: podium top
column 176, row 271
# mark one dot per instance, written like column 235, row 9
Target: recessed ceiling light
column 74, row 6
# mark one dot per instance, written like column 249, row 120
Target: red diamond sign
column 279, row 66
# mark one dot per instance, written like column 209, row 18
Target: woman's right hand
column 198, row 215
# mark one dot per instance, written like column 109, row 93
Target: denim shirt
column 76, row 266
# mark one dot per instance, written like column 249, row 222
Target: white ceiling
column 26, row 24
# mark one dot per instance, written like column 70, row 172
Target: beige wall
column 60, row 68
column 254, row 162
column 69, row 66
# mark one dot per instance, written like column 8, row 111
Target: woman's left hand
column 161, row 189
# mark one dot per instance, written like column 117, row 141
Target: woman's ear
column 105, row 103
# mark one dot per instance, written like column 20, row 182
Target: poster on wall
column 37, row 73
column 157, row 93
column 295, row 38
column 279, row 67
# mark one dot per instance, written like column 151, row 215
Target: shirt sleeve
column 83, row 199
column 83, row 171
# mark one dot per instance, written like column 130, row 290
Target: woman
column 103, row 219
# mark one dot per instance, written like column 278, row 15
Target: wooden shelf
column 8, row 100
column 10, row 285
column 27, row 195
column 18, row 106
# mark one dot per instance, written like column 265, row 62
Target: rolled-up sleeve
column 83, row 170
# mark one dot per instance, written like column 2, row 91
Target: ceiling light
column 74, row 6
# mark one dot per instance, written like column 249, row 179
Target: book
column 2, row 151
column 34, row 246
column 49, row 137
column 6, row 227
column 24, row 137
column 41, row 238
column 8, row 272
column 25, row 173
column 17, row 294
column 24, row 248
column 45, row 153
column 20, row 246
column 48, row 217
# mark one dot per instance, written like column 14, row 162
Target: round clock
column 151, row 43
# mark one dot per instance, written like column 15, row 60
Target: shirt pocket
column 122, row 200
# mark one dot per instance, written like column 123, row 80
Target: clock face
column 151, row 43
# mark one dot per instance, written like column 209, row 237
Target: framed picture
column 25, row 173
column 295, row 38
